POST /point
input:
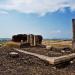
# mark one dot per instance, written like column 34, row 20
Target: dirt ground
column 30, row 65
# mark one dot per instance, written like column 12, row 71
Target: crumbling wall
column 19, row 37
column 31, row 39
column 38, row 39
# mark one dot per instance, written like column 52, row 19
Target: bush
column 12, row 44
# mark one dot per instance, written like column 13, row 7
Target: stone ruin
column 28, row 40
column 73, row 40
column 34, row 40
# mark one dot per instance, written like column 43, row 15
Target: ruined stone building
column 32, row 40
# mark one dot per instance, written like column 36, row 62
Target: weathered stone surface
column 14, row 54
column 25, row 45
column 48, row 47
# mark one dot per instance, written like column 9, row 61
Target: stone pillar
column 34, row 40
column 28, row 39
column 22, row 42
column 31, row 40
column 73, row 40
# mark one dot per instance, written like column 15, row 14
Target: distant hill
column 4, row 39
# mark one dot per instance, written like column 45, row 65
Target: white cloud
column 52, row 32
column 40, row 7
column 55, row 32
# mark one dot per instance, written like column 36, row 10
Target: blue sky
column 50, row 18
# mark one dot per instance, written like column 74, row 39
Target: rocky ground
column 52, row 52
column 30, row 65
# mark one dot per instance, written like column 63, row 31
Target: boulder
column 13, row 54
column 48, row 47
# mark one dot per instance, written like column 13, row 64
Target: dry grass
column 57, row 43
column 12, row 44
column 51, row 43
